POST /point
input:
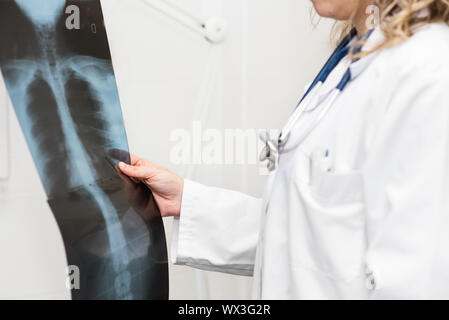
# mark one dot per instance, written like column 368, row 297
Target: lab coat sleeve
column 406, row 190
column 218, row 230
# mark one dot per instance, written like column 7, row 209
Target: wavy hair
column 399, row 18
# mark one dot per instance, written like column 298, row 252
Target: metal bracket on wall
column 214, row 29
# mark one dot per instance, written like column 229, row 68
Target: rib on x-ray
column 60, row 80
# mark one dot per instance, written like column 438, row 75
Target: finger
column 129, row 181
column 133, row 163
column 135, row 180
column 124, row 177
column 134, row 159
column 139, row 172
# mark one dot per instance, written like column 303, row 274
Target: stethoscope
column 273, row 148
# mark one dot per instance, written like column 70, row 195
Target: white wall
column 168, row 77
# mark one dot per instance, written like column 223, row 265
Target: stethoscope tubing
column 322, row 112
column 304, row 104
column 300, row 110
column 272, row 149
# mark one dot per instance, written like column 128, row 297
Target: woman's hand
column 140, row 198
column 166, row 186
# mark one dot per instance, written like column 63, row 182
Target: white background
column 168, row 77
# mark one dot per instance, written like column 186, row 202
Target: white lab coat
column 374, row 227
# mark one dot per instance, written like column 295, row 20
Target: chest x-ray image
column 60, row 79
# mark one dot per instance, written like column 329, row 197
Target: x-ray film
column 55, row 59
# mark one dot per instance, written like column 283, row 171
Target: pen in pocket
column 321, row 162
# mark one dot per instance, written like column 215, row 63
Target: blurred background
column 170, row 77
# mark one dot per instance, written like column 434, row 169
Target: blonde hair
column 399, row 19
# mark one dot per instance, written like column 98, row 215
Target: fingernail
column 122, row 165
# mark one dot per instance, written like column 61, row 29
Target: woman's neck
column 361, row 17
column 360, row 27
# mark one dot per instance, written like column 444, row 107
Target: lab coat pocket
column 334, row 224
column 337, row 188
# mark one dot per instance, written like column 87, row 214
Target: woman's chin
column 335, row 9
column 322, row 9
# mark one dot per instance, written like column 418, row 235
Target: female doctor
column 357, row 203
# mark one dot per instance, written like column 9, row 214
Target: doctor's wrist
column 173, row 209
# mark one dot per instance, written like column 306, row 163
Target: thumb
column 134, row 171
